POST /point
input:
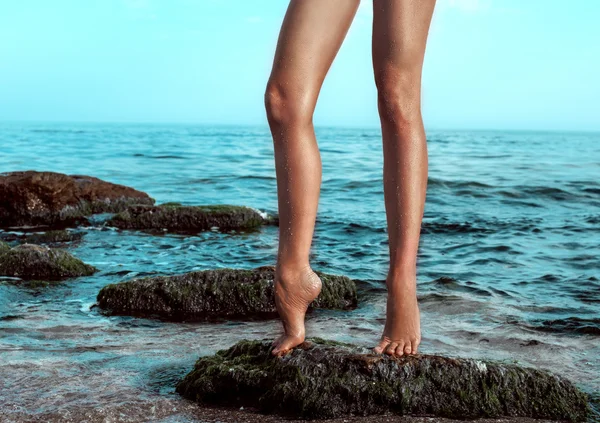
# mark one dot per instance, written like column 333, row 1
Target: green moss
column 32, row 262
column 178, row 218
column 71, row 265
column 223, row 208
column 328, row 379
column 230, row 293
column 4, row 247
column 329, row 342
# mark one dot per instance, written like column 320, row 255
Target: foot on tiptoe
column 294, row 291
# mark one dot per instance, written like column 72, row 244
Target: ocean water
column 508, row 265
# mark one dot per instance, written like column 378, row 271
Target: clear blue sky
column 497, row 64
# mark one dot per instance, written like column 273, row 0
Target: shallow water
column 508, row 267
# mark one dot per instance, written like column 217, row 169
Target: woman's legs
column 400, row 29
column 310, row 37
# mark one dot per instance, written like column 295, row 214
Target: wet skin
column 310, row 37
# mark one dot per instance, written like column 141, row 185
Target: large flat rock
column 323, row 379
column 229, row 293
column 35, row 262
column 174, row 217
column 54, row 199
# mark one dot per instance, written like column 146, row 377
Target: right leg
column 310, row 37
column 400, row 30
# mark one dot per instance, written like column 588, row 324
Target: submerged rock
column 177, row 218
column 56, row 237
column 324, row 379
column 46, row 198
column 30, row 261
column 230, row 293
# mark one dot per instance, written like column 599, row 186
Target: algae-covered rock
column 227, row 293
column 55, row 237
column 47, row 198
column 177, row 218
column 30, row 261
column 4, row 247
column 324, row 379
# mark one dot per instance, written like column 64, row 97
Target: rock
column 30, row 261
column 54, row 199
column 228, row 293
column 4, row 247
column 56, row 237
column 177, row 218
column 324, row 379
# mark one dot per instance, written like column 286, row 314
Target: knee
column 286, row 106
column 399, row 96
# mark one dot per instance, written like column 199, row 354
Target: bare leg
column 400, row 29
column 310, row 37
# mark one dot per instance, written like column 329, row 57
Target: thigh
column 310, row 37
column 400, row 29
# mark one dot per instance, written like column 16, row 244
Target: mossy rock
column 53, row 199
column 321, row 380
column 35, row 262
column 174, row 217
column 221, row 293
column 4, row 247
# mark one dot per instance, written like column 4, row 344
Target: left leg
column 400, row 29
column 311, row 35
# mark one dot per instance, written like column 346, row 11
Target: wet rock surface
column 177, row 218
column 228, row 293
column 52, row 238
column 57, row 237
column 35, row 262
column 324, row 379
column 33, row 198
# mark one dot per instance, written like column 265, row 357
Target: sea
column 508, row 261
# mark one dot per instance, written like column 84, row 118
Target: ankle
column 290, row 273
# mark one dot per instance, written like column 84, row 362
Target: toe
column 276, row 344
column 391, row 349
column 278, row 351
column 400, row 349
column 381, row 347
column 286, row 344
column 408, row 348
column 415, row 345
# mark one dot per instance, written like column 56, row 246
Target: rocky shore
column 324, row 379
column 222, row 293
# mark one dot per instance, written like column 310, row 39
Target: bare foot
column 402, row 332
column 294, row 291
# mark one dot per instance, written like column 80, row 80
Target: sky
column 490, row 64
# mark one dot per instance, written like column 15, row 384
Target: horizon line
column 319, row 125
